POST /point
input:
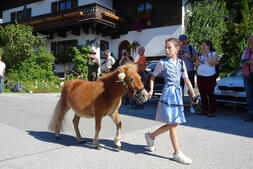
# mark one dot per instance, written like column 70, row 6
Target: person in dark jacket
column 93, row 66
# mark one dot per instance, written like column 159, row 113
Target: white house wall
column 81, row 40
column 152, row 39
column 44, row 7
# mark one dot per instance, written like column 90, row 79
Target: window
column 144, row 11
column 19, row 15
column 60, row 48
column 104, row 45
column 63, row 5
column 144, row 7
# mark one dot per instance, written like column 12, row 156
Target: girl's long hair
column 210, row 44
column 177, row 43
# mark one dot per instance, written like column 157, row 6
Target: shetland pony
column 98, row 99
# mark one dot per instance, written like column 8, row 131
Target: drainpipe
column 24, row 12
column 184, row 2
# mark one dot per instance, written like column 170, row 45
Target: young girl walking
column 170, row 107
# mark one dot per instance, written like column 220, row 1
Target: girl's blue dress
column 172, row 94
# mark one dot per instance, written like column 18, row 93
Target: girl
column 206, row 77
column 170, row 109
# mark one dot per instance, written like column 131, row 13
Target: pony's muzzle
column 141, row 96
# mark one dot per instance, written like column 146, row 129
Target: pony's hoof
column 98, row 147
column 118, row 147
column 57, row 137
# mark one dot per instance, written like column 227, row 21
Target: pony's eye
column 130, row 79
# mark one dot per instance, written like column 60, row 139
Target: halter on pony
column 122, row 77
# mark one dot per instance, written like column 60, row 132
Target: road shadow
column 227, row 120
column 68, row 140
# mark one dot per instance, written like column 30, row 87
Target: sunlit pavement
column 222, row 142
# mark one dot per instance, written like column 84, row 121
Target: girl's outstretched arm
column 189, row 86
column 151, row 84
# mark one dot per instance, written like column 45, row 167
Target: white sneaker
column 192, row 110
column 150, row 142
column 181, row 158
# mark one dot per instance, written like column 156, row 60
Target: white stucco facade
column 44, row 7
column 152, row 39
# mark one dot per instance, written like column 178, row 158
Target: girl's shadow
column 67, row 140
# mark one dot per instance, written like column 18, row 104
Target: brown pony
column 98, row 99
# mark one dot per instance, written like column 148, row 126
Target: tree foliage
column 26, row 58
column 240, row 27
column 206, row 21
column 80, row 55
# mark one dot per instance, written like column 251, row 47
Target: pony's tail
column 58, row 115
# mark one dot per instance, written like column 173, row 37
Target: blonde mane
column 123, row 68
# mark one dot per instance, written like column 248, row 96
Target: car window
column 237, row 73
column 152, row 66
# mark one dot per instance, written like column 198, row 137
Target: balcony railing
column 88, row 12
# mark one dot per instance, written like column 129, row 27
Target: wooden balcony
column 97, row 17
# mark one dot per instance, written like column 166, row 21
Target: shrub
column 80, row 56
column 26, row 59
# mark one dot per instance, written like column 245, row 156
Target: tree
column 206, row 21
column 80, row 55
column 235, row 41
column 26, row 58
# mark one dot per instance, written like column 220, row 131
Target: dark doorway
column 123, row 45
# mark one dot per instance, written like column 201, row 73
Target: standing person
column 125, row 58
column 93, row 66
column 110, row 61
column 173, row 68
column 141, row 64
column 206, row 78
column 2, row 73
column 247, row 69
column 189, row 53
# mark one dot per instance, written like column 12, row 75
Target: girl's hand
column 195, row 100
column 150, row 93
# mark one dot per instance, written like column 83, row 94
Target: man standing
column 2, row 73
column 189, row 53
column 93, row 66
column 109, row 61
column 141, row 64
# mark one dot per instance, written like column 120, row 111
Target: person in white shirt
column 109, row 61
column 206, row 77
column 2, row 73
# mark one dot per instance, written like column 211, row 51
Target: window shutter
column 74, row 3
column 13, row 16
column 54, row 7
column 29, row 13
column 53, row 48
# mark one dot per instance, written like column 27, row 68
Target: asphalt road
column 223, row 142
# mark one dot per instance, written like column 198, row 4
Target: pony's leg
column 76, row 120
column 98, row 120
column 116, row 119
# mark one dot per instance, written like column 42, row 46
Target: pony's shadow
column 67, row 140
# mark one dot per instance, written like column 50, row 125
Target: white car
column 231, row 89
